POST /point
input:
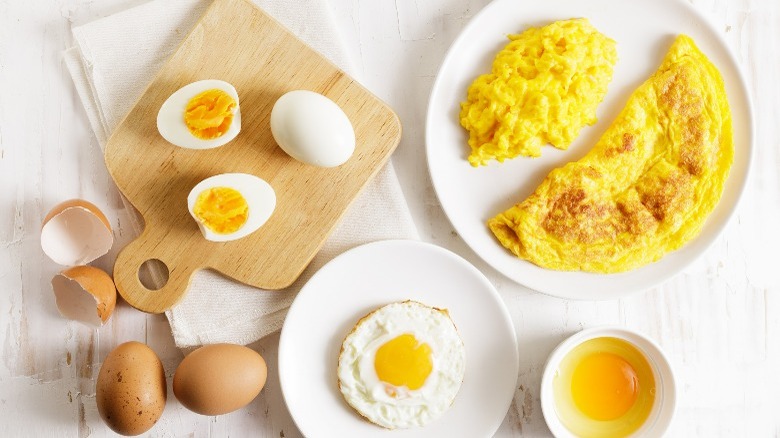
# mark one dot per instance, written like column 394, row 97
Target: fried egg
column 544, row 87
column 230, row 206
column 402, row 365
column 645, row 188
column 202, row 115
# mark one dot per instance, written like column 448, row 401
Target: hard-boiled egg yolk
column 209, row 114
column 604, row 386
column 403, row 361
column 223, row 210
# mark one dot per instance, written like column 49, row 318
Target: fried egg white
column 402, row 365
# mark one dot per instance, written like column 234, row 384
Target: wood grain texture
column 718, row 321
column 237, row 42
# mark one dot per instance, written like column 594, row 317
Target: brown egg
column 220, row 378
column 131, row 389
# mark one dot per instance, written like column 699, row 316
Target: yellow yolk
column 404, row 361
column 221, row 209
column 604, row 386
column 209, row 114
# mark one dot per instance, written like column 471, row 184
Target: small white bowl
column 665, row 392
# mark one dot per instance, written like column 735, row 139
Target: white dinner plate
column 370, row 276
column 644, row 31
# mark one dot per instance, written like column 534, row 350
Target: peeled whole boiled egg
column 402, row 365
column 312, row 128
column 202, row 115
column 75, row 232
column 230, row 206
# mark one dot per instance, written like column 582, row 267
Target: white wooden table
column 719, row 321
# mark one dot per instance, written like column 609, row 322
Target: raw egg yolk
column 604, row 386
column 404, row 361
column 209, row 114
column 223, row 210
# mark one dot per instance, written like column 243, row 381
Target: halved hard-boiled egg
column 202, row 115
column 402, row 365
column 230, row 206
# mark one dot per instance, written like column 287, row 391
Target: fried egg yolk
column 223, row 210
column 403, row 361
column 209, row 114
column 604, row 386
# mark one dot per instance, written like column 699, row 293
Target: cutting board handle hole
column 153, row 274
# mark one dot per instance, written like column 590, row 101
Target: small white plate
column 665, row 391
column 365, row 278
column 644, row 31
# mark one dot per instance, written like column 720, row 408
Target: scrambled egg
column 544, row 87
column 645, row 188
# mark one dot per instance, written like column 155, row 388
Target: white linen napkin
column 112, row 62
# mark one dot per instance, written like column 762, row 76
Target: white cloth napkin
column 112, row 62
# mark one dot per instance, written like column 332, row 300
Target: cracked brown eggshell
column 85, row 294
column 76, row 232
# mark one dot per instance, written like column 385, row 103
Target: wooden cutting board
column 239, row 43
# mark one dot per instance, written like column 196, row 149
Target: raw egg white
column 604, row 387
column 202, row 115
column 402, row 365
column 312, row 128
column 230, row 206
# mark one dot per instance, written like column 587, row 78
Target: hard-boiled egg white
column 230, row 206
column 202, row 115
column 312, row 128
column 604, row 387
column 402, row 365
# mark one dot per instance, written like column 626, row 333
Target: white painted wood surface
column 719, row 321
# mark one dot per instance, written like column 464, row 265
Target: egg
column 544, row 86
column 230, row 206
column 604, row 387
column 645, row 188
column 85, row 293
column 402, row 365
column 131, row 391
column 312, row 128
column 76, row 232
column 220, row 378
column 202, row 115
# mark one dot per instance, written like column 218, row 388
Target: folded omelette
column 645, row 188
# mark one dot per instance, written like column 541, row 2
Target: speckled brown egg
column 220, row 378
column 131, row 389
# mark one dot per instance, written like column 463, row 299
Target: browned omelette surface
column 645, row 188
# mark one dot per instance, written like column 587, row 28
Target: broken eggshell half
column 85, row 293
column 76, row 232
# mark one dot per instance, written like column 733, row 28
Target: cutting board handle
column 127, row 274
